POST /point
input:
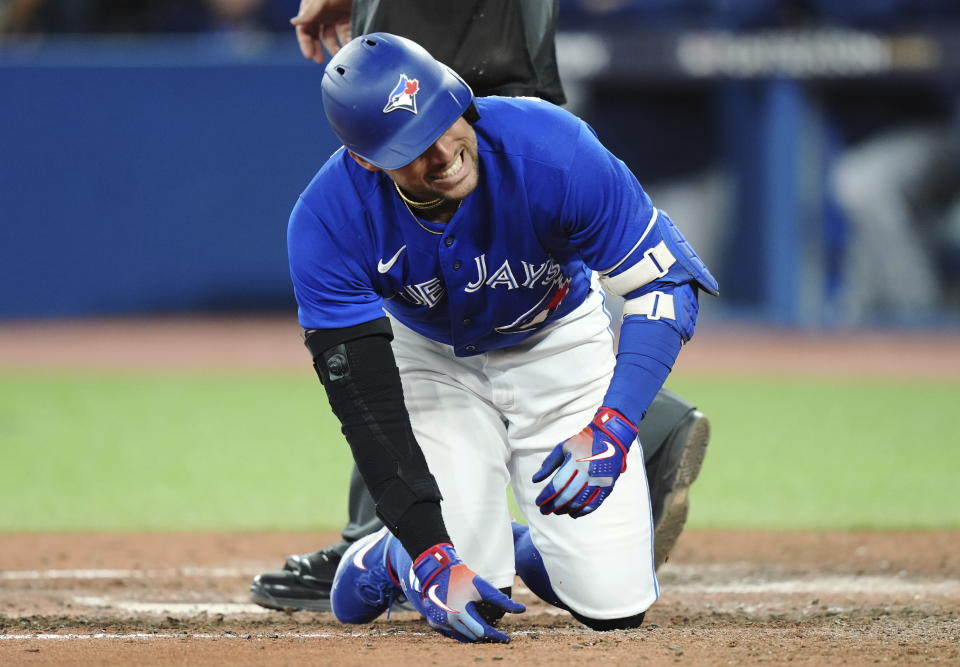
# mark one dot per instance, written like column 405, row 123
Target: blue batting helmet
column 388, row 100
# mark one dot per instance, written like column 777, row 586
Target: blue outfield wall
column 154, row 177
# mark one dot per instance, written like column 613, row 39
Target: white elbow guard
column 662, row 253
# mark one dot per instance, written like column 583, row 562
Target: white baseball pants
column 490, row 420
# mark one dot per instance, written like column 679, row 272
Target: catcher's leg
column 362, row 512
column 674, row 437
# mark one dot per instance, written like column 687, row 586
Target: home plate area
column 726, row 597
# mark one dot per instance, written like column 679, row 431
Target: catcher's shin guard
column 670, row 472
column 367, row 581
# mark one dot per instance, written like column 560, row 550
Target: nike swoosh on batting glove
column 586, row 466
column 450, row 591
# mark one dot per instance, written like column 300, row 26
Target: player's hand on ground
column 322, row 22
column 586, row 466
column 450, row 591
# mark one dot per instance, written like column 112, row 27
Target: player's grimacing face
column 448, row 169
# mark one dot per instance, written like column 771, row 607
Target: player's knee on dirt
column 605, row 624
column 491, row 613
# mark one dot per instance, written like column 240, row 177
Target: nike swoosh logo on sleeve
column 606, row 454
column 383, row 268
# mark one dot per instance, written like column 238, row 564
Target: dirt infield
column 728, row 598
column 271, row 343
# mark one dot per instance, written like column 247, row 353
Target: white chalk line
column 173, row 608
column 734, row 579
column 188, row 609
column 826, row 585
column 164, row 573
column 739, row 581
column 743, row 579
column 198, row 635
column 260, row 636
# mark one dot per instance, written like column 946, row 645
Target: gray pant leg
column 663, row 416
column 362, row 513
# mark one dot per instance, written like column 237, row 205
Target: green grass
column 253, row 451
column 839, row 454
column 161, row 452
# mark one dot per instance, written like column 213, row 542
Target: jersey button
column 448, row 241
column 467, row 321
column 457, row 264
column 470, row 348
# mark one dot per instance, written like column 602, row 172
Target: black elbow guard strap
column 325, row 346
column 364, row 389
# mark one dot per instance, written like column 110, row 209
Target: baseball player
column 674, row 434
column 447, row 264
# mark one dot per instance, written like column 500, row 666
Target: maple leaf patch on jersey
column 403, row 95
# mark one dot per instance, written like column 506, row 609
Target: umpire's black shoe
column 670, row 473
column 303, row 585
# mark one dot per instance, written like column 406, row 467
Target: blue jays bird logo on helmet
column 366, row 74
column 403, row 95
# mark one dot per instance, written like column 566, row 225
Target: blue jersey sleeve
column 618, row 232
column 605, row 210
column 330, row 284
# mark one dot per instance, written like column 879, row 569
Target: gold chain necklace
column 423, row 226
column 421, row 205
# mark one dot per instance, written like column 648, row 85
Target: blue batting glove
column 449, row 592
column 586, row 466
